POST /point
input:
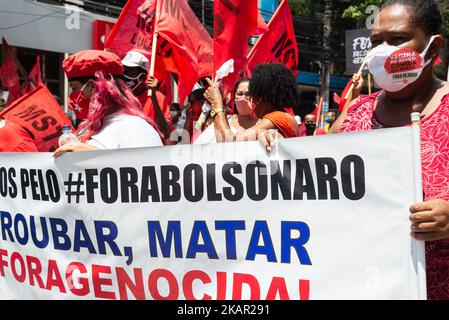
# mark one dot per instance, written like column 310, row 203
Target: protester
column 193, row 112
column 14, row 138
column 413, row 26
column 243, row 117
column 116, row 119
column 273, row 89
column 309, row 127
column 156, row 107
column 330, row 118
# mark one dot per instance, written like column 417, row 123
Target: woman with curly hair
column 274, row 93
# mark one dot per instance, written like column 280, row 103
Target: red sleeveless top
column 435, row 175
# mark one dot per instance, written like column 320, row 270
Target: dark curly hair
column 425, row 14
column 275, row 84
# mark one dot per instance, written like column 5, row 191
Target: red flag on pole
column 234, row 21
column 41, row 115
column 8, row 73
column 278, row 44
column 130, row 31
column 134, row 31
column 191, row 44
column 35, row 73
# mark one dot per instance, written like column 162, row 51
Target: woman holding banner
column 115, row 119
column 243, row 117
column 274, row 92
column 406, row 42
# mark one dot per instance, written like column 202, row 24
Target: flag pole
column 351, row 88
column 369, row 83
column 418, row 247
column 153, row 60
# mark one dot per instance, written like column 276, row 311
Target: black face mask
column 310, row 126
column 133, row 82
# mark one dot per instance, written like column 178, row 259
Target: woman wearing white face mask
column 243, row 118
column 406, row 42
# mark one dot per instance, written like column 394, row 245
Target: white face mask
column 394, row 68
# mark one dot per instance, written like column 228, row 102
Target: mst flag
column 41, row 115
column 278, row 44
column 191, row 44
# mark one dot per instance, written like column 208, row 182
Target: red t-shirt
column 13, row 138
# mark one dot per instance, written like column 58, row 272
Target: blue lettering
column 230, row 227
column 296, row 243
column 6, row 225
column 173, row 234
column 261, row 229
column 23, row 240
column 39, row 243
column 103, row 238
column 57, row 234
column 200, row 228
column 82, row 238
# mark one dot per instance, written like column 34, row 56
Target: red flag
column 343, row 99
column 102, row 29
column 41, row 115
column 130, row 31
column 8, row 73
column 134, row 31
column 278, row 44
column 192, row 47
column 234, row 21
column 35, row 73
column 258, row 26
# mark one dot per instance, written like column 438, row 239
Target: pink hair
column 111, row 95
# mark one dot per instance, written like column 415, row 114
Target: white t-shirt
column 122, row 130
column 208, row 135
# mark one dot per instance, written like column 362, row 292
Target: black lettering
column 212, row 194
column 53, row 186
column 358, row 177
column 262, row 180
column 304, row 181
column 24, row 182
column 281, row 180
column 235, row 183
column 171, row 190
column 12, row 183
column 91, row 184
column 46, row 122
column 108, row 180
column 34, row 185
column 193, row 191
column 128, row 184
column 326, row 170
column 149, row 185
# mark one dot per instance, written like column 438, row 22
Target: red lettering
column 125, row 282
column 84, row 290
column 304, row 289
column 172, row 284
column 221, row 285
column 278, row 286
column 251, row 281
column 54, row 278
column 3, row 263
column 17, row 257
column 35, row 270
column 187, row 282
column 98, row 282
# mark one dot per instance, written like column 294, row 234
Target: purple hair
column 111, row 95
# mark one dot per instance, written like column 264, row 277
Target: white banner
column 319, row 218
